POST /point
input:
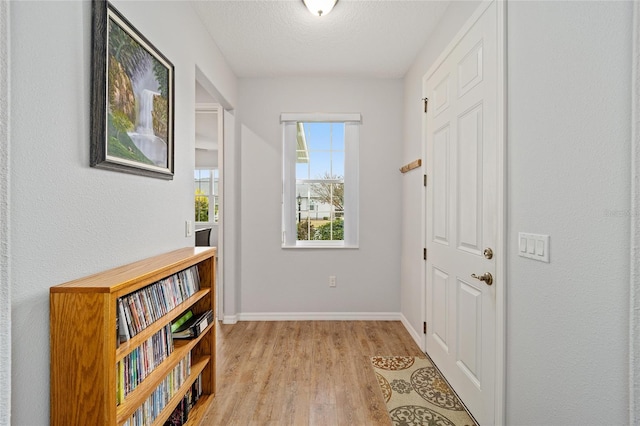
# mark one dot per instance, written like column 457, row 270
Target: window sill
column 332, row 247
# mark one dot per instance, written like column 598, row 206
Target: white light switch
column 534, row 246
column 531, row 245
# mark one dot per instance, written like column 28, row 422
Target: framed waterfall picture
column 132, row 99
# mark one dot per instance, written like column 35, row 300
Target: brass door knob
column 486, row 277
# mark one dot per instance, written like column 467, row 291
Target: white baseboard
column 417, row 336
column 319, row 316
column 229, row 319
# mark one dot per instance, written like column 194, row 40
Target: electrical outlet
column 332, row 280
column 188, row 228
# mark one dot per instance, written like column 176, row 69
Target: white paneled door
column 462, row 165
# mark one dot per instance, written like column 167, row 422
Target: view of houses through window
column 206, row 195
column 320, row 163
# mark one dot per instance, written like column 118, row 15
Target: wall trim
column 634, row 214
column 319, row 316
column 5, row 281
column 229, row 319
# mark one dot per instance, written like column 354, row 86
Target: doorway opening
column 208, row 181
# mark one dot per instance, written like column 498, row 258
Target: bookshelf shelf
column 126, row 409
column 85, row 353
column 126, row 347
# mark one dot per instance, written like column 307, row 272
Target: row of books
column 138, row 310
column 180, row 415
column 160, row 397
column 190, row 325
column 140, row 362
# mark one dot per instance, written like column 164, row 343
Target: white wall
column 5, row 276
column 412, row 272
column 568, row 176
column 276, row 280
column 634, row 279
column 67, row 219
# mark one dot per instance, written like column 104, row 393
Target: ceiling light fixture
column 320, row 7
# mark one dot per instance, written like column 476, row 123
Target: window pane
column 202, row 182
column 337, row 196
column 337, row 163
column 318, row 135
column 202, row 208
column 302, row 170
column 206, row 185
column 320, row 165
column 202, row 174
column 325, row 146
column 337, row 139
column 320, row 214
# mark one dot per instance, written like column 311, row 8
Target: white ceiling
column 362, row 38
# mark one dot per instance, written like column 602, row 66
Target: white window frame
column 352, row 122
column 213, row 196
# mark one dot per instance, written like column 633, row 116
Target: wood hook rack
column 412, row 165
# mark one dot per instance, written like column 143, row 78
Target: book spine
column 123, row 327
column 135, row 320
column 142, row 360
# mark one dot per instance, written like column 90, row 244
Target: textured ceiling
column 376, row 38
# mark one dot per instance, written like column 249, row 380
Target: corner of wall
column 5, row 288
column 415, row 335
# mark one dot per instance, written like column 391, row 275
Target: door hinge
column 426, row 104
column 424, row 253
column 424, row 327
column 424, row 180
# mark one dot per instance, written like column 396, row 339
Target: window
column 206, row 195
column 320, row 180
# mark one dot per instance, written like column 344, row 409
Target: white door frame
column 219, row 110
column 501, row 243
column 634, row 285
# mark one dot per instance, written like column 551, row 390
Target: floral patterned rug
column 416, row 394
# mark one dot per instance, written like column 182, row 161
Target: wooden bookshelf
column 84, row 348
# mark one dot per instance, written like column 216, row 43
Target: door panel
column 470, row 180
column 469, row 329
column 440, row 183
column 440, row 306
column 470, row 69
column 441, row 96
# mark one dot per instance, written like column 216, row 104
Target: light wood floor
column 303, row 372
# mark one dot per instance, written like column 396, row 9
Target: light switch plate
column 533, row 246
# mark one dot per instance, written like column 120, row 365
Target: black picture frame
column 132, row 99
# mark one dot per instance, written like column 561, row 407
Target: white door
column 461, row 134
